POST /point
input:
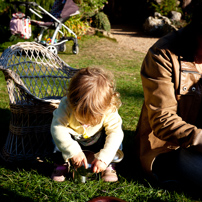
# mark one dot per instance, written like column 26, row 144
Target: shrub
column 78, row 26
column 5, row 19
column 89, row 8
column 166, row 6
column 101, row 21
column 89, row 13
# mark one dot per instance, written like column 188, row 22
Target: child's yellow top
column 64, row 125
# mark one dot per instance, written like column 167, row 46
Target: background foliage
column 94, row 13
column 166, row 6
column 89, row 8
column 101, row 21
column 6, row 10
column 79, row 23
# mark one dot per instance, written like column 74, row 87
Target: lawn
column 31, row 181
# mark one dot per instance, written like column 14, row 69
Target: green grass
column 31, row 181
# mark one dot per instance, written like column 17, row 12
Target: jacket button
column 193, row 89
column 184, row 88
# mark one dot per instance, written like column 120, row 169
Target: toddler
column 87, row 119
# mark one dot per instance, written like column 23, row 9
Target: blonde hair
column 91, row 94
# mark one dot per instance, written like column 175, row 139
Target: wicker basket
column 36, row 81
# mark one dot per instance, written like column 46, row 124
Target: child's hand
column 98, row 166
column 79, row 159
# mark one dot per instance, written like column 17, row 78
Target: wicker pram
column 36, row 81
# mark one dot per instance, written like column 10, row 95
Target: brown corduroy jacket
column 171, row 115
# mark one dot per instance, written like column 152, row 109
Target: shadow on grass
column 130, row 169
column 4, row 125
column 134, row 93
column 9, row 196
column 43, row 168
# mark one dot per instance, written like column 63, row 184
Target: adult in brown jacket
column 169, row 132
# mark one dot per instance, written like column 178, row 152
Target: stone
column 175, row 16
column 158, row 25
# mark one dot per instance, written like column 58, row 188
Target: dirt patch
column 132, row 38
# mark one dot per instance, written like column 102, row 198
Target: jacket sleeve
column 159, row 93
column 61, row 132
column 114, row 137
